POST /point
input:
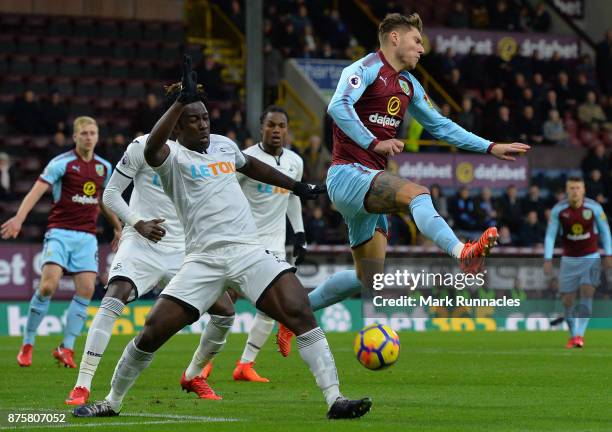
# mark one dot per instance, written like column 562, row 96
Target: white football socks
column 258, row 335
column 315, row 351
column 211, row 342
column 97, row 339
column 128, row 369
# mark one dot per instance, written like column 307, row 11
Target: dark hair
column 172, row 91
column 394, row 21
column 270, row 109
column 575, row 179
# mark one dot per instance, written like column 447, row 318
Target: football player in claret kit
column 270, row 206
column 582, row 222
column 151, row 252
column 368, row 106
column 222, row 249
column 77, row 179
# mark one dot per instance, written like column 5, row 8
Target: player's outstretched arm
column 264, row 173
column 447, row 130
column 156, row 151
column 11, row 228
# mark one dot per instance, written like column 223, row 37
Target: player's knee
column 299, row 317
column 120, row 290
column 409, row 192
column 47, row 287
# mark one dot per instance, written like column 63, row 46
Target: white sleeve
column 294, row 208
column 240, row 160
column 132, row 160
column 114, row 201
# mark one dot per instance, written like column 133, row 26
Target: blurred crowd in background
column 59, row 68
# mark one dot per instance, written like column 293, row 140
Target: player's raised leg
column 285, row 300
column 392, row 194
column 211, row 343
column 39, row 305
column 99, row 334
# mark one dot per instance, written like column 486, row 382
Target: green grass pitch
column 475, row 381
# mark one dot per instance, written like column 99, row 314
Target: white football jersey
column 207, row 196
column 148, row 199
column 269, row 203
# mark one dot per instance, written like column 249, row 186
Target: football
column 377, row 346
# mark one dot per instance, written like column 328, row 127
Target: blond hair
column 82, row 121
column 395, row 21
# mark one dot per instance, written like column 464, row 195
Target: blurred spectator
column 479, row 17
column 509, row 209
column 337, row 32
column 328, row 51
column 290, row 44
column 582, row 88
column 603, row 63
column 528, row 127
column 595, row 160
column 533, row 202
column 309, row 44
column 58, row 145
column 596, row 187
column 538, row 87
column 236, row 14
column 24, row 114
column 553, row 130
column 147, row 114
column 458, row 18
column 505, row 237
column 316, row 160
column 439, row 200
column 526, row 98
column 541, row 20
column 531, row 232
column 301, row 20
column 503, row 129
column 590, row 112
column 113, row 148
column 468, row 118
column 315, row 227
column 552, row 103
column 486, row 214
column 463, row 211
column 273, row 63
column 494, row 104
column 209, row 73
column 565, row 93
column 5, row 176
column 502, row 18
column 585, row 66
column 54, row 113
column 400, row 232
column 239, row 128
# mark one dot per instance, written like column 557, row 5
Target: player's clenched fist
column 389, row 147
column 11, row 228
column 151, row 230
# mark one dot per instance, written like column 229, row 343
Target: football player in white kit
column 222, row 248
column 269, row 205
column 151, row 252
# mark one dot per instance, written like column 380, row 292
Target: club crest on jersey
column 125, row 160
column 100, row 170
column 405, row 87
column 587, row 214
column 355, row 81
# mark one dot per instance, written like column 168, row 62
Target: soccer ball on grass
column 377, row 346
